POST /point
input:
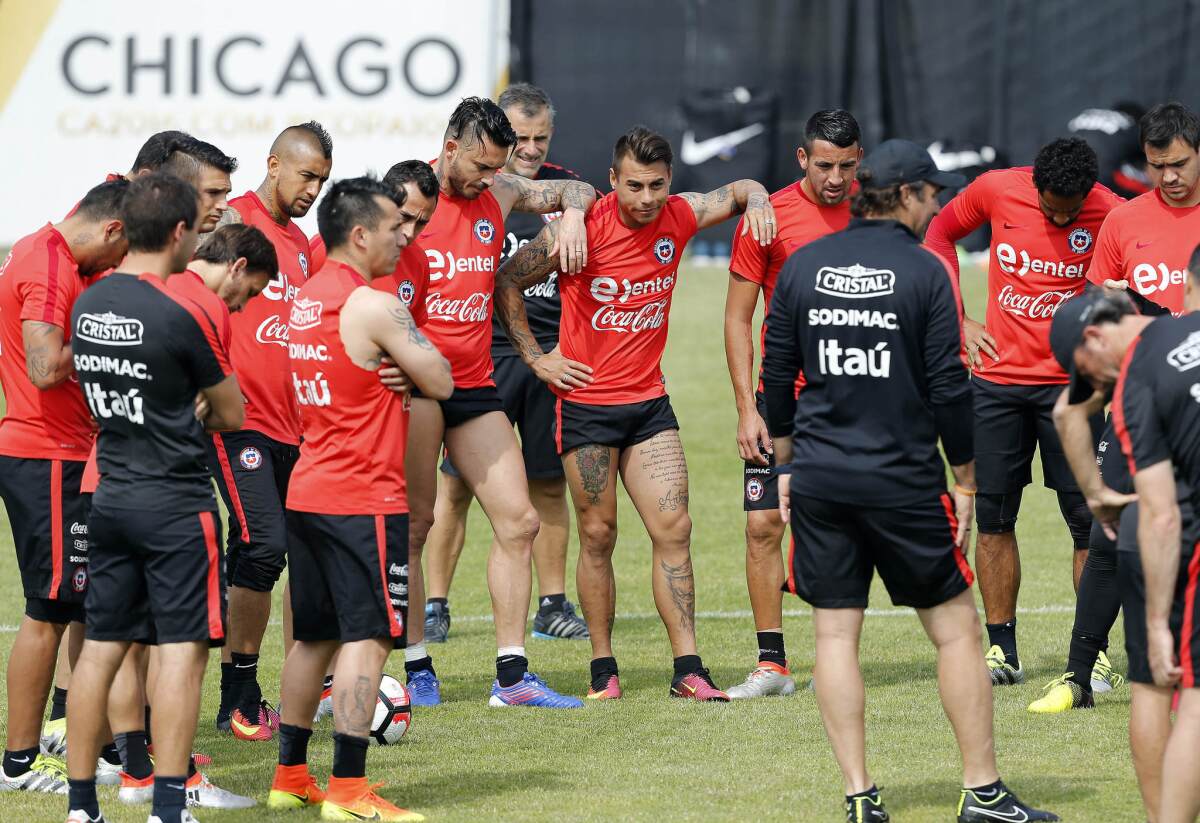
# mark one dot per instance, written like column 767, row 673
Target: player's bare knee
column 764, row 530
column 519, row 529
column 597, row 536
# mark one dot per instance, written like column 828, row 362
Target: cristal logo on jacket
column 470, row 309
column 855, row 282
column 1018, row 262
column 109, row 329
column 1033, row 306
column 1186, row 356
column 305, row 314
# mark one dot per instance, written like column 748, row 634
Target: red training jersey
column 409, row 282
column 614, row 312
column 463, row 241
column 1147, row 243
column 260, row 330
column 1033, row 266
column 40, row 281
column 798, row 221
column 355, row 430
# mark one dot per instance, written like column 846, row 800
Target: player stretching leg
column 807, row 209
column 346, row 506
column 614, row 415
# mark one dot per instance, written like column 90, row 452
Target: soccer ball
column 393, row 712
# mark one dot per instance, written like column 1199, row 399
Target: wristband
column 964, row 490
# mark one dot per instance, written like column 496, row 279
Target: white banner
column 83, row 83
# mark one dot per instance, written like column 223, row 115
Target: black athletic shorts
column 760, row 484
column 620, row 426
column 837, row 547
column 156, row 577
column 252, row 472
column 1184, row 622
column 529, row 404
column 349, row 575
column 1010, row 422
column 49, row 520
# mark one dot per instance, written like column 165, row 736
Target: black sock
column 19, row 761
column 135, row 760
column 602, row 669
column 687, row 664
column 293, row 745
column 327, row 683
column 169, row 798
column 349, row 755
column 424, row 664
column 82, row 795
column 58, row 705
column 872, row 793
column 770, row 648
column 192, row 766
column 988, row 791
column 149, row 737
column 552, row 603
column 440, row 600
column 226, row 675
column 110, row 755
column 243, row 682
column 510, row 669
column 1004, row 635
column 1085, row 648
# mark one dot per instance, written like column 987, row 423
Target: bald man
column 252, row 466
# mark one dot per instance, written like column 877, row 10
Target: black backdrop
column 1007, row 73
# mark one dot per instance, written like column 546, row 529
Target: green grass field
column 651, row 758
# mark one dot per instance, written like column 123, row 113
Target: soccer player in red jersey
column 252, row 466
column 1145, row 244
column 528, row 402
column 464, row 242
column 346, row 507
column 45, row 436
column 142, row 355
column 812, row 207
column 614, row 414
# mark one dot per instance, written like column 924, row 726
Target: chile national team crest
column 303, row 260
column 79, row 579
column 250, row 458
column 485, row 232
column 406, row 291
column 754, row 489
column 664, row 250
column 1080, row 240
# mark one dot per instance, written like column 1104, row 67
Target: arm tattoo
column 531, row 264
column 594, row 464
column 683, row 591
column 715, row 204
column 40, row 363
column 404, row 320
column 543, row 196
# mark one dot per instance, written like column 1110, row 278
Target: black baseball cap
column 893, row 162
column 1066, row 334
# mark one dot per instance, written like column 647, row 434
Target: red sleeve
column 216, row 354
column 952, row 274
column 749, row 258
column 46, row 288
column 1107, row 260
column 317, row 254
column 970, row 209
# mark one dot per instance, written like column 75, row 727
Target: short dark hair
column 318, row 131
column 527, row 97
column 1110, row 307
column 1167, row 121
column 476, row 117
column 644, row 146
column 235, row 240
column 1067, row 167
column 836, row 126
column 350, row 203
column 104, row 202
column 188, row 157
column 412, row 171
column 153, row 206
column 158, row 147
column 870, row 200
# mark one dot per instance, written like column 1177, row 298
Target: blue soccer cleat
column 531, row 691
column 424, row 689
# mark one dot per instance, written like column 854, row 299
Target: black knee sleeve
column 1078, row 516
column 997, row 513
column 256, row 573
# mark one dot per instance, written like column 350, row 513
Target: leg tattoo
column 683, row 591
column 358, row 708
column 593, row 463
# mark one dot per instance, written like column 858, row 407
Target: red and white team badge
column 664, row 250
column 79, row 579
column 485, row 232
column 1080, row 240
column 250, row 458
column 754, row 490
column 406, row 291
column 303, row 259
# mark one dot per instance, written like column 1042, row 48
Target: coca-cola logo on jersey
column 547, row 289
column 470, row 309
column 614, row 318
column 272, row 330
column 1033, row 306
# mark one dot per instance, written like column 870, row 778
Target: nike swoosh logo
column 1012, row 226
column 691, row 689
column 178, row 788
column 1142, row 245
column 694, row 153
column 244, row 729
column 247, row 666
column 1015, row 816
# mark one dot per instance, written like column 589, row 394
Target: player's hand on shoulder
column 556, row 370
column 570, row 242
column 1118, row 285
column 759, row 221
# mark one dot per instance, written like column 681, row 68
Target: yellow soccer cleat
column 1062, row 695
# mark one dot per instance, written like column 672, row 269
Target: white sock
column 504, row 651
column 415, row 652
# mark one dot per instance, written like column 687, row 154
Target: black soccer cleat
column 866, row 808
column 437, row 622
column 998, row 803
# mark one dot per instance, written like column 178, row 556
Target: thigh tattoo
column 594, row 464
column 664, row 462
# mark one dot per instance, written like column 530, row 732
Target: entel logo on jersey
column 109, row 329
column 1035, row 307
column 650, row 316
column 485, row 232
column 278, row 287
column 1148, row 278
column 1186, row 355
column 447, row 265
column 250, row 458
column 664, row 250
column 855, row 282
column 1080, row 240
column 1007, row 257
column 305, row 314
column 406, row 291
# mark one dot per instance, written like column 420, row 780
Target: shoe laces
column 51, row 766
column 568, row 609
column 995, row 657
column 530, row 677
column 1061, row 680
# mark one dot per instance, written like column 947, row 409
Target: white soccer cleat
column 47, row 775
column 80, row 816
column 107, row 774
column 1104, row 679
column 325, row 707
column 186, row 817
column 766, row 680
column 202, row 792
column 54, row 738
